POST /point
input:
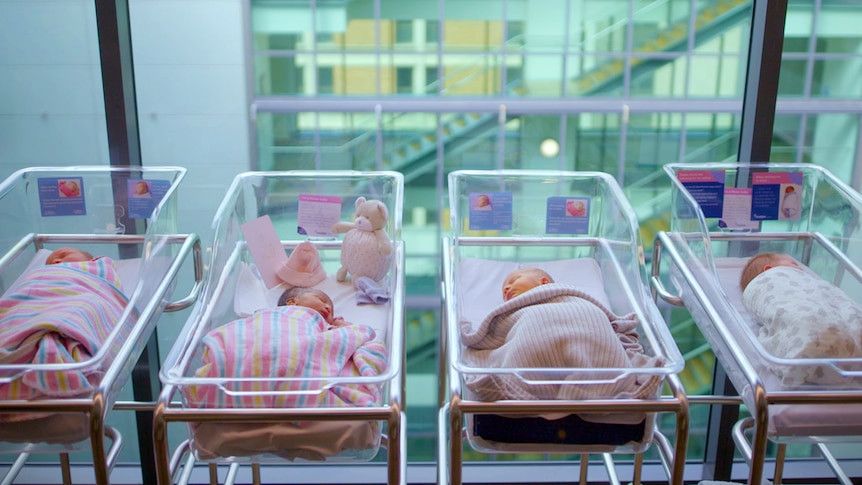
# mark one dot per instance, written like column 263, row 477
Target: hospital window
column 514, row 77
column 404, row 80
column 403, row 31
column 515, row 31
column 325, row 84
column 430, row 76
column 432, row 31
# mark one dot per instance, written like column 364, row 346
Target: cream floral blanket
column 804, row 317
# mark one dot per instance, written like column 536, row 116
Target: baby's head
column 762, row 262
column 524, row 279
column 309, row 298
column 68, row 255
column 141, row 188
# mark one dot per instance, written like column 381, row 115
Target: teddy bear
column 366, row 249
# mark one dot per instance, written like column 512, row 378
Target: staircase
column 418, row 153
column 710, row 21
column 699, row 359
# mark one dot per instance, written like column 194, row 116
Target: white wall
column 192, row 112
column 190, row 75
column 190, row 80
column 51, row 106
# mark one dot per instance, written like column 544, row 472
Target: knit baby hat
column 302, row 267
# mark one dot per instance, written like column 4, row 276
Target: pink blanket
column 58, row 314
column 287, row 342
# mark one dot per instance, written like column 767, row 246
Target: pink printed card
column 265, row 248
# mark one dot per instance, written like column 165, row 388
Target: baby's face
column 519, row 282
column 318, row 301
column 68, row 255
column 141, row 188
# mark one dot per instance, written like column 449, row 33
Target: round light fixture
column 549, row 148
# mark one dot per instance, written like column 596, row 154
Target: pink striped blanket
column 58, row 314
column 282, row 343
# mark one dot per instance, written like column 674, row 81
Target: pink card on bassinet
column 265, row 248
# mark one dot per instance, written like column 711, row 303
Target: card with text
column 776, row 196
column 706, row 187
column 568, row 215
column 491, row 211
column 265, row 248
column 737, row 210
column 62, row 196
column 317, row 214
column 144, row 196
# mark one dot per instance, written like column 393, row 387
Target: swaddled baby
column 802, row 317
column 301, row 338
column 59, row 313
column 543, row 324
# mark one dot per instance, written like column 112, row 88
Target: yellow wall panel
column 356, row 80
column 388, row 80
column 479, row 79
column 465, row 33
column 495, row 34
column 360, row 33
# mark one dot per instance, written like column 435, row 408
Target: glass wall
column 619, row 87
column 51, row 106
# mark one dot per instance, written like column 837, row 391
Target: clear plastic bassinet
column 824, row 234
column 579, row 227
column 295, row 202
column 721, row 215
column 128, row 214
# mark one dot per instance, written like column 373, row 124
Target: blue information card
column 62, row 196
column 568, row 215
column 776, row 196
column 491, row 211
column 707, row 188
column 144, row 196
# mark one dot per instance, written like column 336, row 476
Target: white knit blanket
column 804, row 317
column 557, row 326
